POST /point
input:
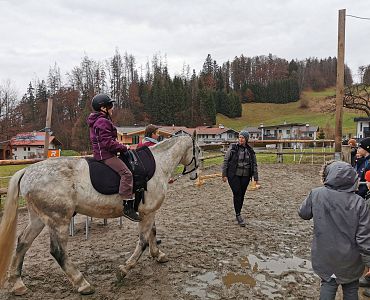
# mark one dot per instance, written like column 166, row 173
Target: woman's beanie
column 365, row 144
column 245, row 134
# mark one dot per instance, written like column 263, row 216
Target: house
column 362, row 127
column 255, row 133
column 31, row 145
column 5, row 150
column 178, row 130
column 204, row 134
column 209, row 134
column 289, row 131
column 132, row 135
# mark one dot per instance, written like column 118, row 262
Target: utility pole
column 47, row 127
column 340, row 83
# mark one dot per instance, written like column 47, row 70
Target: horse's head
column 191, row 159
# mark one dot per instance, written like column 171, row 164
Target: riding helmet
column 101, row 100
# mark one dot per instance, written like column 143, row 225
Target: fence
column 298, row 149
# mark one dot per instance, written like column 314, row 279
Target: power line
column 357, row 17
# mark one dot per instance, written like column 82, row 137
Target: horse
column 54, row 189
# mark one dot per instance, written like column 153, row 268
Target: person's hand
column 258, row 185
column 367, row 275
column 224, row 178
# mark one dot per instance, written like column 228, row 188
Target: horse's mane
column 165, row 144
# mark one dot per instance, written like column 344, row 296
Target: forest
column 150, row 94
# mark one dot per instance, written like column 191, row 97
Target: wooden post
column 279, row 153
column 340, row 83
column 47, row 127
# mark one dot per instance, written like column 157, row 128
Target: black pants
column 328, row 290
column 238, row 185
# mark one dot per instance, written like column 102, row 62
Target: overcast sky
column 36, row 34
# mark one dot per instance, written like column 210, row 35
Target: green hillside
column 317, row 113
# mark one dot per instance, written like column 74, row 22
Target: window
column 310, row 134
column 24, row 149
column 29, row 148
column 24, row 157
column 135, row 139
column 15, row 148
column 360, row 126
column 280, row 131
column 287, row 131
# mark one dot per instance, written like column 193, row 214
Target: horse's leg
column 145, row 232
column 58, row 249
column 25, row 240
column 153, row 247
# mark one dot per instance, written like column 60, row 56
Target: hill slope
column 320, row 112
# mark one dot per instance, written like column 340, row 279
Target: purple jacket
column 103, row 137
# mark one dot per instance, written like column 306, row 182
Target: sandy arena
column 210, row 257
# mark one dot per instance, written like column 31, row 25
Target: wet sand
column 210, row 256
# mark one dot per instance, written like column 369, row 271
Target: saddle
column 141, row 164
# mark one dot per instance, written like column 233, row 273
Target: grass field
column 270, row 114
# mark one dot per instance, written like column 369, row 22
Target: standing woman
column 239, row 166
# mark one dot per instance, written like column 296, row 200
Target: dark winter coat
column 230, row 164
column 341, row 225
column 103, row 136
column 362, row 166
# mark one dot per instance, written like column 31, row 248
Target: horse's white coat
column 56, row 188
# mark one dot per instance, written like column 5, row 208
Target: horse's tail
column 8, row 226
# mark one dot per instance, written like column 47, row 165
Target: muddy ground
column 210, row 257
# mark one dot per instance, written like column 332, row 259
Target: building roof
column 176, row 129
column 253, row 129
column 283, row 125
column 359, row 119
column 173, row 130
column 32, row 139
column 130, row 129
column 213, row 130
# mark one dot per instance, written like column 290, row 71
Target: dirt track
column 210, row 256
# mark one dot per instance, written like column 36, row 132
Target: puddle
column 277, row 265
column 198, row 286
column 232, row 278
column 268, row 275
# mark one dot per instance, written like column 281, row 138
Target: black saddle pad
column 106, row 181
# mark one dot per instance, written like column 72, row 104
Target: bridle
column 184, row 172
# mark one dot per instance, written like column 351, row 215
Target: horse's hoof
column 86, row 290
column 121, row 273
column 19, row 291
column 162, row 258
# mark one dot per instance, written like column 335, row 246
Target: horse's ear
column 194, row 134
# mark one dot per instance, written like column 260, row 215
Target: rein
column 184, row 171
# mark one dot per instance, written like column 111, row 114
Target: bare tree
column 357, row 96
column 8, row 102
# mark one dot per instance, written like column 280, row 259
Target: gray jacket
column 341, row 220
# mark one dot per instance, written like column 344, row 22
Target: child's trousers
column 328, row 290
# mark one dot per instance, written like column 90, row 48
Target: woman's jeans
column 328, row 290
column 126, row 183
column 238, row 185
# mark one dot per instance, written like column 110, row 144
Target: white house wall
column 26, row 152
column 360, row 128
